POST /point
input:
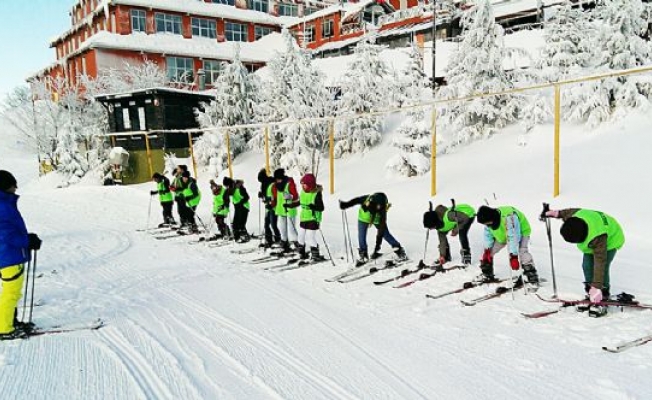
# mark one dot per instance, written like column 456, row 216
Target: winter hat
column 182, row 167
column 186, row 174
column 157, row 176
column 228, row 182
column 574, row 230
column 309, row 180
column 7, row 180
column 262, row 175
column 378, row 198
column 488, row 216
column 279, row 174
column 432, row 221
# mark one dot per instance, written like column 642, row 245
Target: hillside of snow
column 192, row 322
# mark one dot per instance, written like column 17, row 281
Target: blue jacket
column 13, row 232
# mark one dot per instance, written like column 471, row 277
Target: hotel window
column 310, row 10
column 309, row 34
column 236, row 32
column 179, row 69
column 261, row 31
column 204, row 28
column 327, row 28
column 168, row 23
column 212, row 70
column 138, row 21
column 260, row 5
column 227, row 2
column 288, row 10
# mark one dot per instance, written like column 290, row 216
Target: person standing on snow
column 373, row 211
column 312, row 208
column 284, row 192
column 165, row 197
column 598, row 236
column 272, row 234
column 456, row 221
column 220, row 210
column 506, row 227
column 191, row 196
column 240, row 200
column 177, row 187
column 15, row 250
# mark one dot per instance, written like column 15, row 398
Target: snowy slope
column 190, row 322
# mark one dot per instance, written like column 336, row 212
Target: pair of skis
column 361, row 272
column 90, row 326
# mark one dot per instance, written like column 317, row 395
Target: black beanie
column 488, row 216
column 186, row 174
column 279, row 173
column 7, row 180
column 574, row 230
column 157, row 176
column 432, row 221
column 262, row 175
column 227, row 181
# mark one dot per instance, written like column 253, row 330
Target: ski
column 628, row 344
column 367, row 273
column 291, row 261
column 344, row 274
column 300, row 264
column 615, row 303
column 423, row 276
column 465, row 286
column 95, row 325
column 246, row 251
column 404, row 273
column 500, row 290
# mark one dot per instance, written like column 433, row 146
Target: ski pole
column 346, row 249
column 546, row 207
column 149, row 213
column 326, row 245
column 425, row 247
column 348, row 235
column 260, row 223
column 29, row 266
column 31, row 303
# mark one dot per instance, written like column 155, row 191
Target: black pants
column 182, row 209
column 271, row 228
column 240, row 221
column 221, row 225
column 167, row 212
column 464, row 234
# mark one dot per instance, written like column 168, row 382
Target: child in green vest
column 506, row 227
column 191, row 196
column 598, row 236
column 240, row 200
column 284, row 193
column 312, row 207
column 220, row 210
column 165, row 196
column 456, row 221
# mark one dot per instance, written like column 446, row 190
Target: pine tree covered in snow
column 620, row 24
column 365, row 88
column 235, row 94
column 69, row 160
column 295, row 90
column 413, row 136
column 477, row 67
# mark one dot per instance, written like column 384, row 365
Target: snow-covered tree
column 131, row 76
column 295, row 90
column 366, row 87
column 413, row 136
column 477, row 67
column 620, row 25
column 235, row 94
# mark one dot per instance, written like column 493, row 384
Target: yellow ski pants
column 12, row 287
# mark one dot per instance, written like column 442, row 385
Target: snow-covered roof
column 258, row 51
column 347, row 9
column 153, row 90
column 502, row 8
column 194, row 7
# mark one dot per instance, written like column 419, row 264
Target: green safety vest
column 218, row 202
column 280, row 203
column 500, row 234
column 237, row 198
column 307, row 215
column 365, row 216
column 164, row 194
column 449, row 223
column 599, row 224
column 187, row 192
column 178, row 184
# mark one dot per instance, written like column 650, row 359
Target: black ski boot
column 466, row 256
column 364, row 258
column 315, row 256
column 303, row 255
column 487, row 275
column 400, row 254
column 531, row 274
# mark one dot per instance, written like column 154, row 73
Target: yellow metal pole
column 149, row 155
column 331, row 152
column 228, row 152
column 192, row 154
column 267, row 168
column 557, row 131
column 433, row 154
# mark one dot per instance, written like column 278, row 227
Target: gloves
column 34, row 242
column 552, row 214
column 487, row 258
column 173, row 189
column 153, row 192
column 513, row 262
column 261, row 195
column 287, row 196
column 595, row 295
column 342, row 206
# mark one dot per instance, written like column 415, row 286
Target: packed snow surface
column 192, row 322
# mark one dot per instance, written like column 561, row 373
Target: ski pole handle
column 546, row 208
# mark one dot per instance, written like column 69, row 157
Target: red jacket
column 292, row 188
